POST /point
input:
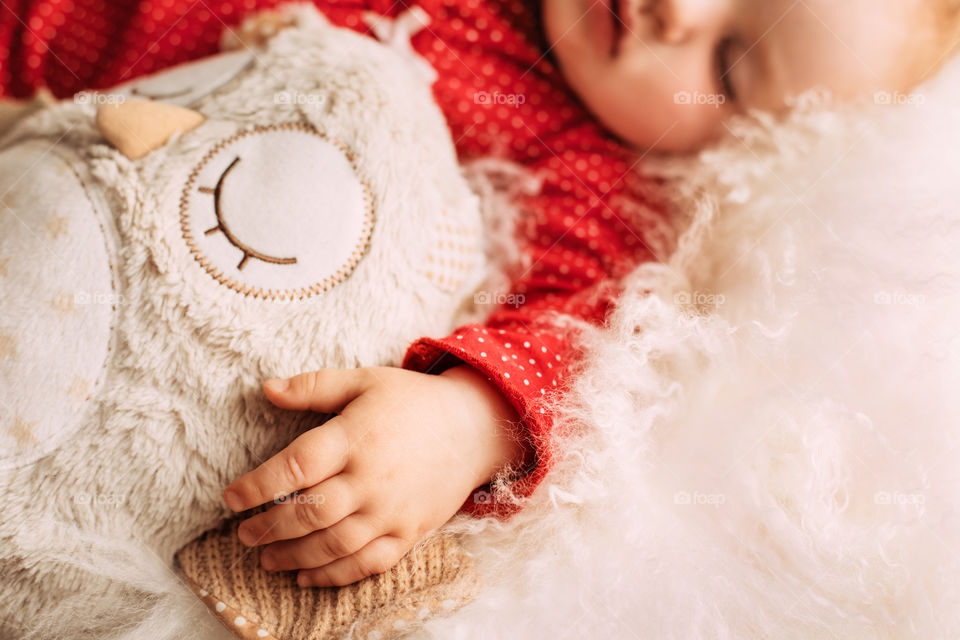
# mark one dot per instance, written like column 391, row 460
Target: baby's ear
column 137, row 127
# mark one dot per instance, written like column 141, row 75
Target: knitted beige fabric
column 436, row 576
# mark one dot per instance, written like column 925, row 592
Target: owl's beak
column 137, row 127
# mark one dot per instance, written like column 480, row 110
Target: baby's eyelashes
column 725, row 60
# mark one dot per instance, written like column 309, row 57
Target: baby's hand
column 404, row 453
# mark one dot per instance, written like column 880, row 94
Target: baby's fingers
column 324, row 391
column 378, row 556
column 309, row 460
column 310, row 510
column 322, row 547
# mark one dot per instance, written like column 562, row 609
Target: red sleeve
column 578, row 241
column 527, row 358
column 591, row 222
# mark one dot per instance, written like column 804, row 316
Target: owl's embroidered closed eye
column 278, row 212
column 221, row 226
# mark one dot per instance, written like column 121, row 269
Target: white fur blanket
column 767, row 446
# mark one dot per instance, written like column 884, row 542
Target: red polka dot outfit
column 589, row 223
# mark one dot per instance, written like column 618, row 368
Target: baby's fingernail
column 303, row 580
column 232, row 500
column 277, row 385
column 267, row 561
column 246, row 535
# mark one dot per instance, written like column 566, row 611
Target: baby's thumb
column 323, row 391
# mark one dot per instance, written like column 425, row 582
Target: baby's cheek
column 674, row 123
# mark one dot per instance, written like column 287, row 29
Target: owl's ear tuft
column 137, row 127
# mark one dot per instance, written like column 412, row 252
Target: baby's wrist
column 499, row 432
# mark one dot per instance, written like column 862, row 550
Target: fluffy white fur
column 778, row 461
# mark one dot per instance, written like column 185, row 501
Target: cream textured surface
column 58, row 299
column 187, row 83
column 138, row 325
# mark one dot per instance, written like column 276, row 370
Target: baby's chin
column 657, row 125
column 668, row 140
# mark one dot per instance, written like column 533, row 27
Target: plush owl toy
column 167, row 245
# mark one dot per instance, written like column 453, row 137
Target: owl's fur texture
column 113, row 473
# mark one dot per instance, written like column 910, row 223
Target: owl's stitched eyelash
column 222, row 226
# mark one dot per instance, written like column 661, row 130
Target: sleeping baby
column 662, row 75
column 574, row 91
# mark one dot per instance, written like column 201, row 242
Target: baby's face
column 666, row 74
